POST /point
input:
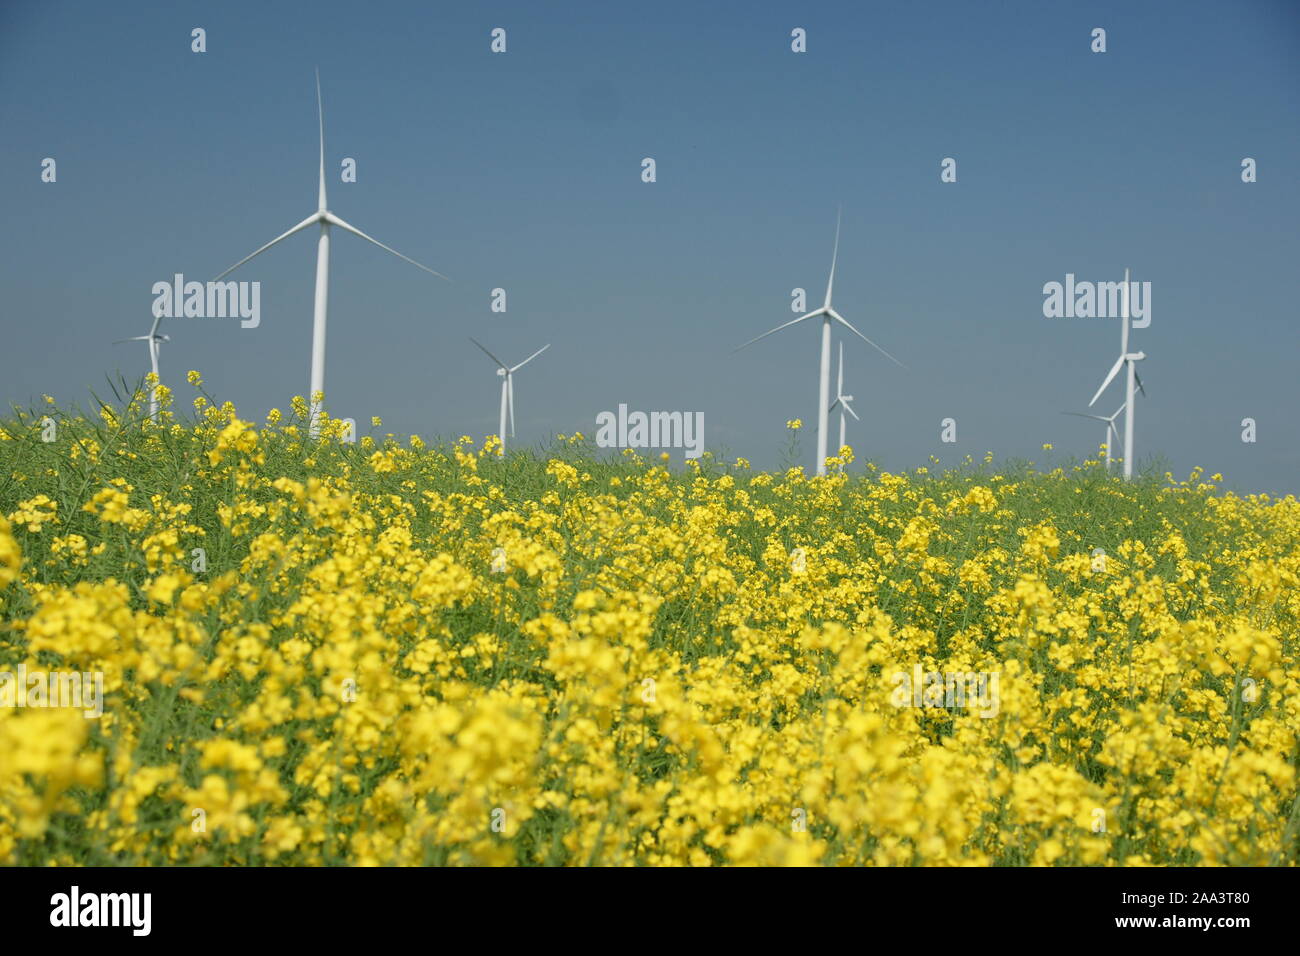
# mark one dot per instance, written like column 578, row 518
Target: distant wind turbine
column 155, row 341
column 842, row 401
column 1129, row 360
column 1112, row 433
column 326, row 219
column 827, row 312
column 507, row 388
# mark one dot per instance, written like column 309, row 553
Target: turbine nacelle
column 1108, row 419
column 826, row 310
column 145, row 338
column 843, row 402
column 828, row 315
column 1130, row 358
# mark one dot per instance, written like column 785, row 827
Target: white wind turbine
column 1112, row 433
column 507, row 374
column 155, row 341
column 326, row 219
column 842, row 401
column 828, row 313
column 1126, row 359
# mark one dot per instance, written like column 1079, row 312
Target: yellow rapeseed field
column 392, row 653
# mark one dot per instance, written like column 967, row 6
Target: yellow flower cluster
column 11, row 557
column 315, row 652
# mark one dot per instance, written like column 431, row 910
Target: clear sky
column 522, row 171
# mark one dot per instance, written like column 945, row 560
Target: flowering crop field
column 385, row 653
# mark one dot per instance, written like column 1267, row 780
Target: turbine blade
column 1099, row 418
column 1117, row 411
column 849, row 408
column 531, row 357
column 839, row 318
column 1138, row 379
column 783, row 325
column 134, row 338
column 314, row 217
column 153, row 330
column 320, row 115
column 830, row 284
column 1114, row 370
column 489, row 354
column 335, row 220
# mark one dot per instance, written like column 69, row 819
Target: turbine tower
column 155, row 341
column 1112, row 433
column 1129, row 361
column 508, row 388
column 827, row 313
column 842, row 401
column 325, row 218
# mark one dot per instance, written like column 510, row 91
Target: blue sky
column 522, row 170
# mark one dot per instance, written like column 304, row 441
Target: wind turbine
column 1112, row 433
column 507, row 387
column 155, row 341
column 828, row 313
column 326, row 219
column 844, row 402
column 1129, row 360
